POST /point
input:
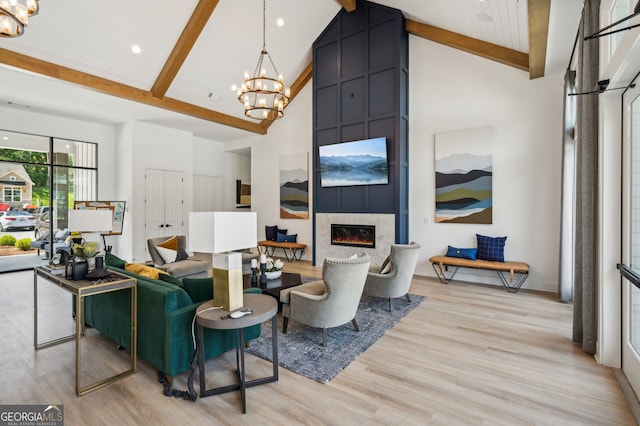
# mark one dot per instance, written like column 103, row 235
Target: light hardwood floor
column 468, row 355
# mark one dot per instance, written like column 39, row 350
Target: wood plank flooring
column 468, row 355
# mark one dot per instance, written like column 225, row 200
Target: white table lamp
column 219, row 233
column 90, row 221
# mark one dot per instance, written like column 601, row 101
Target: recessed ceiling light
column 234, row 87
column 280, row 22
column 136, row 49
column 6, row 138
column 484, row 17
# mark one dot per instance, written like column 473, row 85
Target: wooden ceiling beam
column 296, row 87
column 113, row 88
column 348, row 5
column 539, row 11
column 201, row 14
column 474, row 46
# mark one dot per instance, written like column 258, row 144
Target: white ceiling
column 95, row 37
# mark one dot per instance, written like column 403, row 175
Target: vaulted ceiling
column 75, row 58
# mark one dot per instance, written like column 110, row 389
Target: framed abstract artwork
column 464, row 176
column 294, row 186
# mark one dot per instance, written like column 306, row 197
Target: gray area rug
column 300, row 349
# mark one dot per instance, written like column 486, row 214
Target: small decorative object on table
column 274, row 269
column 263, row 269
column 254, row 272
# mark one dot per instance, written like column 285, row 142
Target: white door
column 173, row 203
column 631, row 239
column 163, row 203
column 154, row 203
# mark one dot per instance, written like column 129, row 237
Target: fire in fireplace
column 353, row 235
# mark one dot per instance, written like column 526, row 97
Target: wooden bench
column 441, row 266
column 295, row 249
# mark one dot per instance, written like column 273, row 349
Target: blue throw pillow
column 281, row 238
column 270, row 232
column 293, row 238
column 491, row 248
column 463, row 253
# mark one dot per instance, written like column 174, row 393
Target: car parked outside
column 17, row 219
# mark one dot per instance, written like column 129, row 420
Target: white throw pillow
column 386, row 266
column 168, row 255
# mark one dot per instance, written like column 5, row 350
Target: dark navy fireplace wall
column 353, row 235
column 360, row 91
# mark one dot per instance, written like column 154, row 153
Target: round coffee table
column 264, row 307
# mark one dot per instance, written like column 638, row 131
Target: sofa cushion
column 200, row 289
column 491, row 248
column 168, row 255
column 270, row 232
column 171, row 280
column 464, row 253
column 143, row 270
column 113, row 260
column 186, row 267
column 182, row 254
column 171, row 244
column 316, row 288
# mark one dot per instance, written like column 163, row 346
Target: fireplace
column 353, row 235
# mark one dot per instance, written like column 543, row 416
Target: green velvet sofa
column 165, row 309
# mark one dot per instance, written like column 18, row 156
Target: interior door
column 154, row 203
column 631, row 239
column 173, row 203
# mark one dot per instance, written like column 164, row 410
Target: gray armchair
column 393, row 278
column 180, row 268
column 329, row 302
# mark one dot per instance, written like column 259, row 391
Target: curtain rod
column 599, row 33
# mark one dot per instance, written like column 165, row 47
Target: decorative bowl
column 273, row 275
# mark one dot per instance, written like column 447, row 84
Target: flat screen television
column 362, row 162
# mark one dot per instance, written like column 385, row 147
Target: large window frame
column 71, row 166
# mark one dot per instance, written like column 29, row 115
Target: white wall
column 451, row 90
column 144, row 146
column 210, row 158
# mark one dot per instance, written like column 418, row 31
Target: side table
column 264, row 307
column 81, row 289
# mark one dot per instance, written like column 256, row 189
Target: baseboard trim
column 629, row 394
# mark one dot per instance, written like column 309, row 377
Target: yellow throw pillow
column 144, row 270
column 171, row 243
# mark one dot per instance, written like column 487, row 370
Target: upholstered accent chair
column 329, row 302
column 174, row 259
column 393, row 278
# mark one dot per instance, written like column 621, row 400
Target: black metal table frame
column 294, row 251
column 243, row 384
column 510, row 288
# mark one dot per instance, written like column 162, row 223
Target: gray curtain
column 567, row 213
column 585, row 290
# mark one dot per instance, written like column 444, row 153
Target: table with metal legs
column 81, row 289
column 264, row 307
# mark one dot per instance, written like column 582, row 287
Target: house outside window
column 12, row 193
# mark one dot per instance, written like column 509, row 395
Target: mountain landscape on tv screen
column 353, row 170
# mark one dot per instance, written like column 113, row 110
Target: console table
column 81, row 289
column 264, row 307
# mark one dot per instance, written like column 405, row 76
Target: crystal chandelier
column 264, row 97
column 14, row 16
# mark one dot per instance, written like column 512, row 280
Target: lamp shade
column 217, row 232
column 99, row 220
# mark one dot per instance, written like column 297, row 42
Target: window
column 12, row 193
column 619, row 10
